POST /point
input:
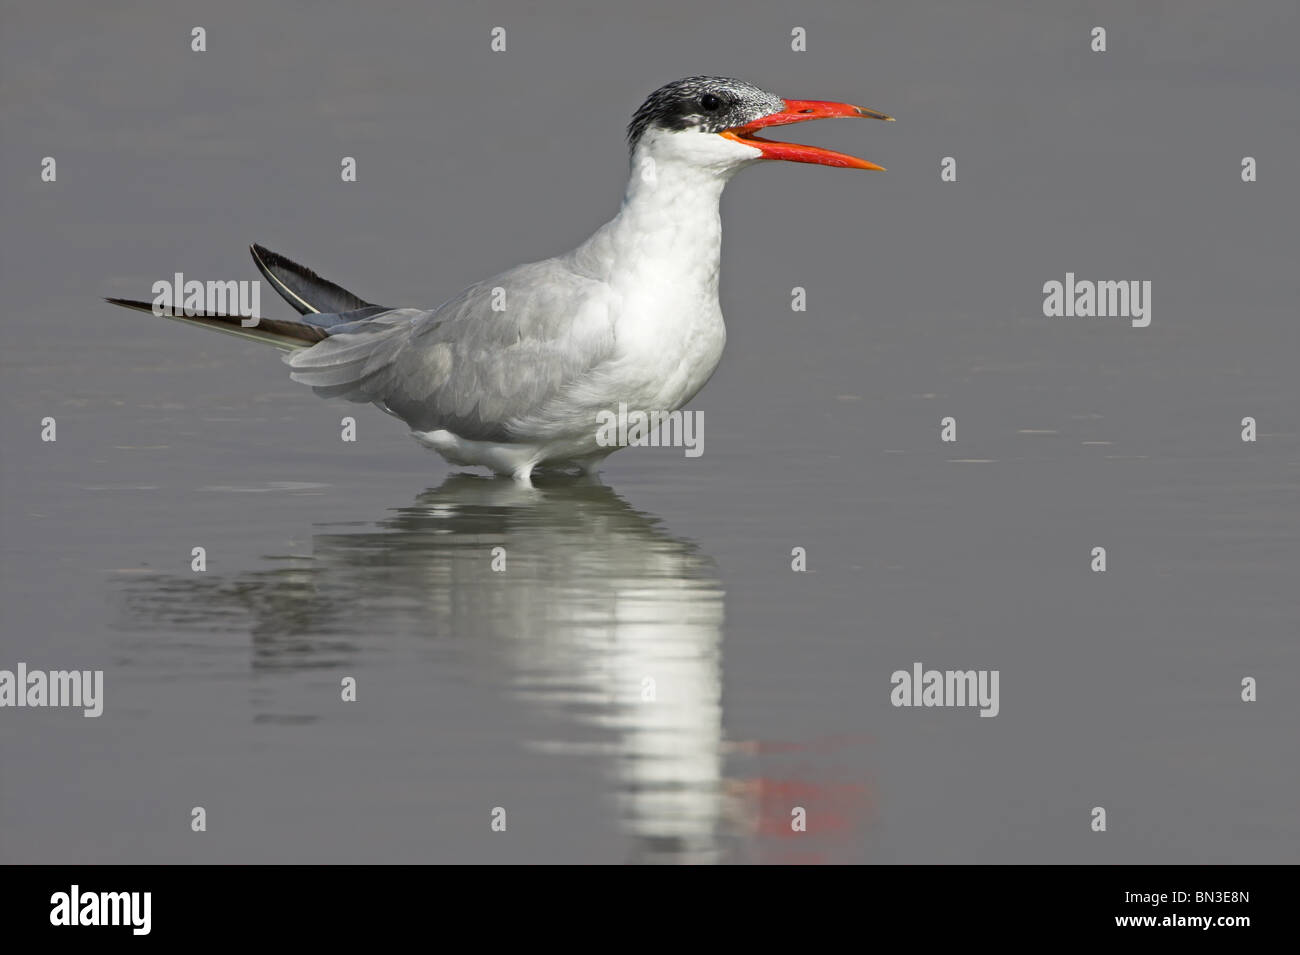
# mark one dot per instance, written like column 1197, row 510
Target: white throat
column 669, row 228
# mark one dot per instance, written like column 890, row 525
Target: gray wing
column 513, row 348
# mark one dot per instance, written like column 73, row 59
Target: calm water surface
column 646, row 679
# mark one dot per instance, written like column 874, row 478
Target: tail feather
column 287, row 336
column 301, row 287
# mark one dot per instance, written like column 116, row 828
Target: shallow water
column 646, row 679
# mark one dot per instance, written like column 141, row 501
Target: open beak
column 799, row 111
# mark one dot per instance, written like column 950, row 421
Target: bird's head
column 713, row 121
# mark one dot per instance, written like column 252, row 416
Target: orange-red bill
column 799, row 111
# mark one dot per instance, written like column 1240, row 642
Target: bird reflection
column 597, row 614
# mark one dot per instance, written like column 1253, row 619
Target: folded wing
column 514, row 353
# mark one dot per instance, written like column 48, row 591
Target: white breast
column 660, row 258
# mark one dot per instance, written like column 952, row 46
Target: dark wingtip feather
column 272, row 331
column 131, row 303
column 301, row 287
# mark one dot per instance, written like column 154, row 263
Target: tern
column 515, row 371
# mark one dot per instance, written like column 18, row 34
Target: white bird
column 515, row 371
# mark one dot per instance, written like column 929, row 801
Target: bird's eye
column 710, row 102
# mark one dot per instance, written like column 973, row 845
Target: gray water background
column 523, row 690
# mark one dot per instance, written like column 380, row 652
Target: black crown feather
column 681, row 105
